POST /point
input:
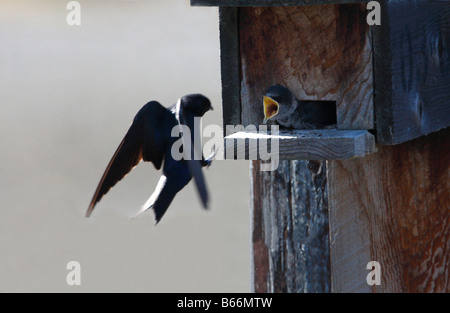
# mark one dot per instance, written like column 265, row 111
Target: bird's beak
column 271, row 108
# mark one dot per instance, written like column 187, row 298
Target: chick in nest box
column 281, row 106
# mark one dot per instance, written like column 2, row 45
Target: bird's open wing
column 145, row 140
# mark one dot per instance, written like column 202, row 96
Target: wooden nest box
column 317, row 224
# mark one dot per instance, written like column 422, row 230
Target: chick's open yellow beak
column 271, row 108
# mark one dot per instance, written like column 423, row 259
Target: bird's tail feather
column 159, row 200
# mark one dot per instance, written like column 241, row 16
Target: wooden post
column 318, row 223
column 321, row 53
column 290, row 233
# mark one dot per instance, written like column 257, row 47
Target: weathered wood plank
column 392, row 207
column 290, row 238
column 268, row 3
column 318, row 52
column 323, row 144
column 412, row 69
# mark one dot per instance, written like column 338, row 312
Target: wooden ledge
column 323, row 144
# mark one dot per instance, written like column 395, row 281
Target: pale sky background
column 67, row 97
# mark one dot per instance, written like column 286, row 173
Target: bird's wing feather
column 145, row 140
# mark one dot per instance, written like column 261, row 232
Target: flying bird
column 280, row 105
column 149, row 139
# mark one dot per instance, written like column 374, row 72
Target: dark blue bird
column 150, row 139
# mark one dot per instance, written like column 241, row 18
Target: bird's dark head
column 196, row 103
column 275, row 98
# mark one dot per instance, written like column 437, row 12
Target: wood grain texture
column 319, row 52
column 301, row 145
column 412, row 69
column 290, row 238
column 267, row 3
column 392, row 207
